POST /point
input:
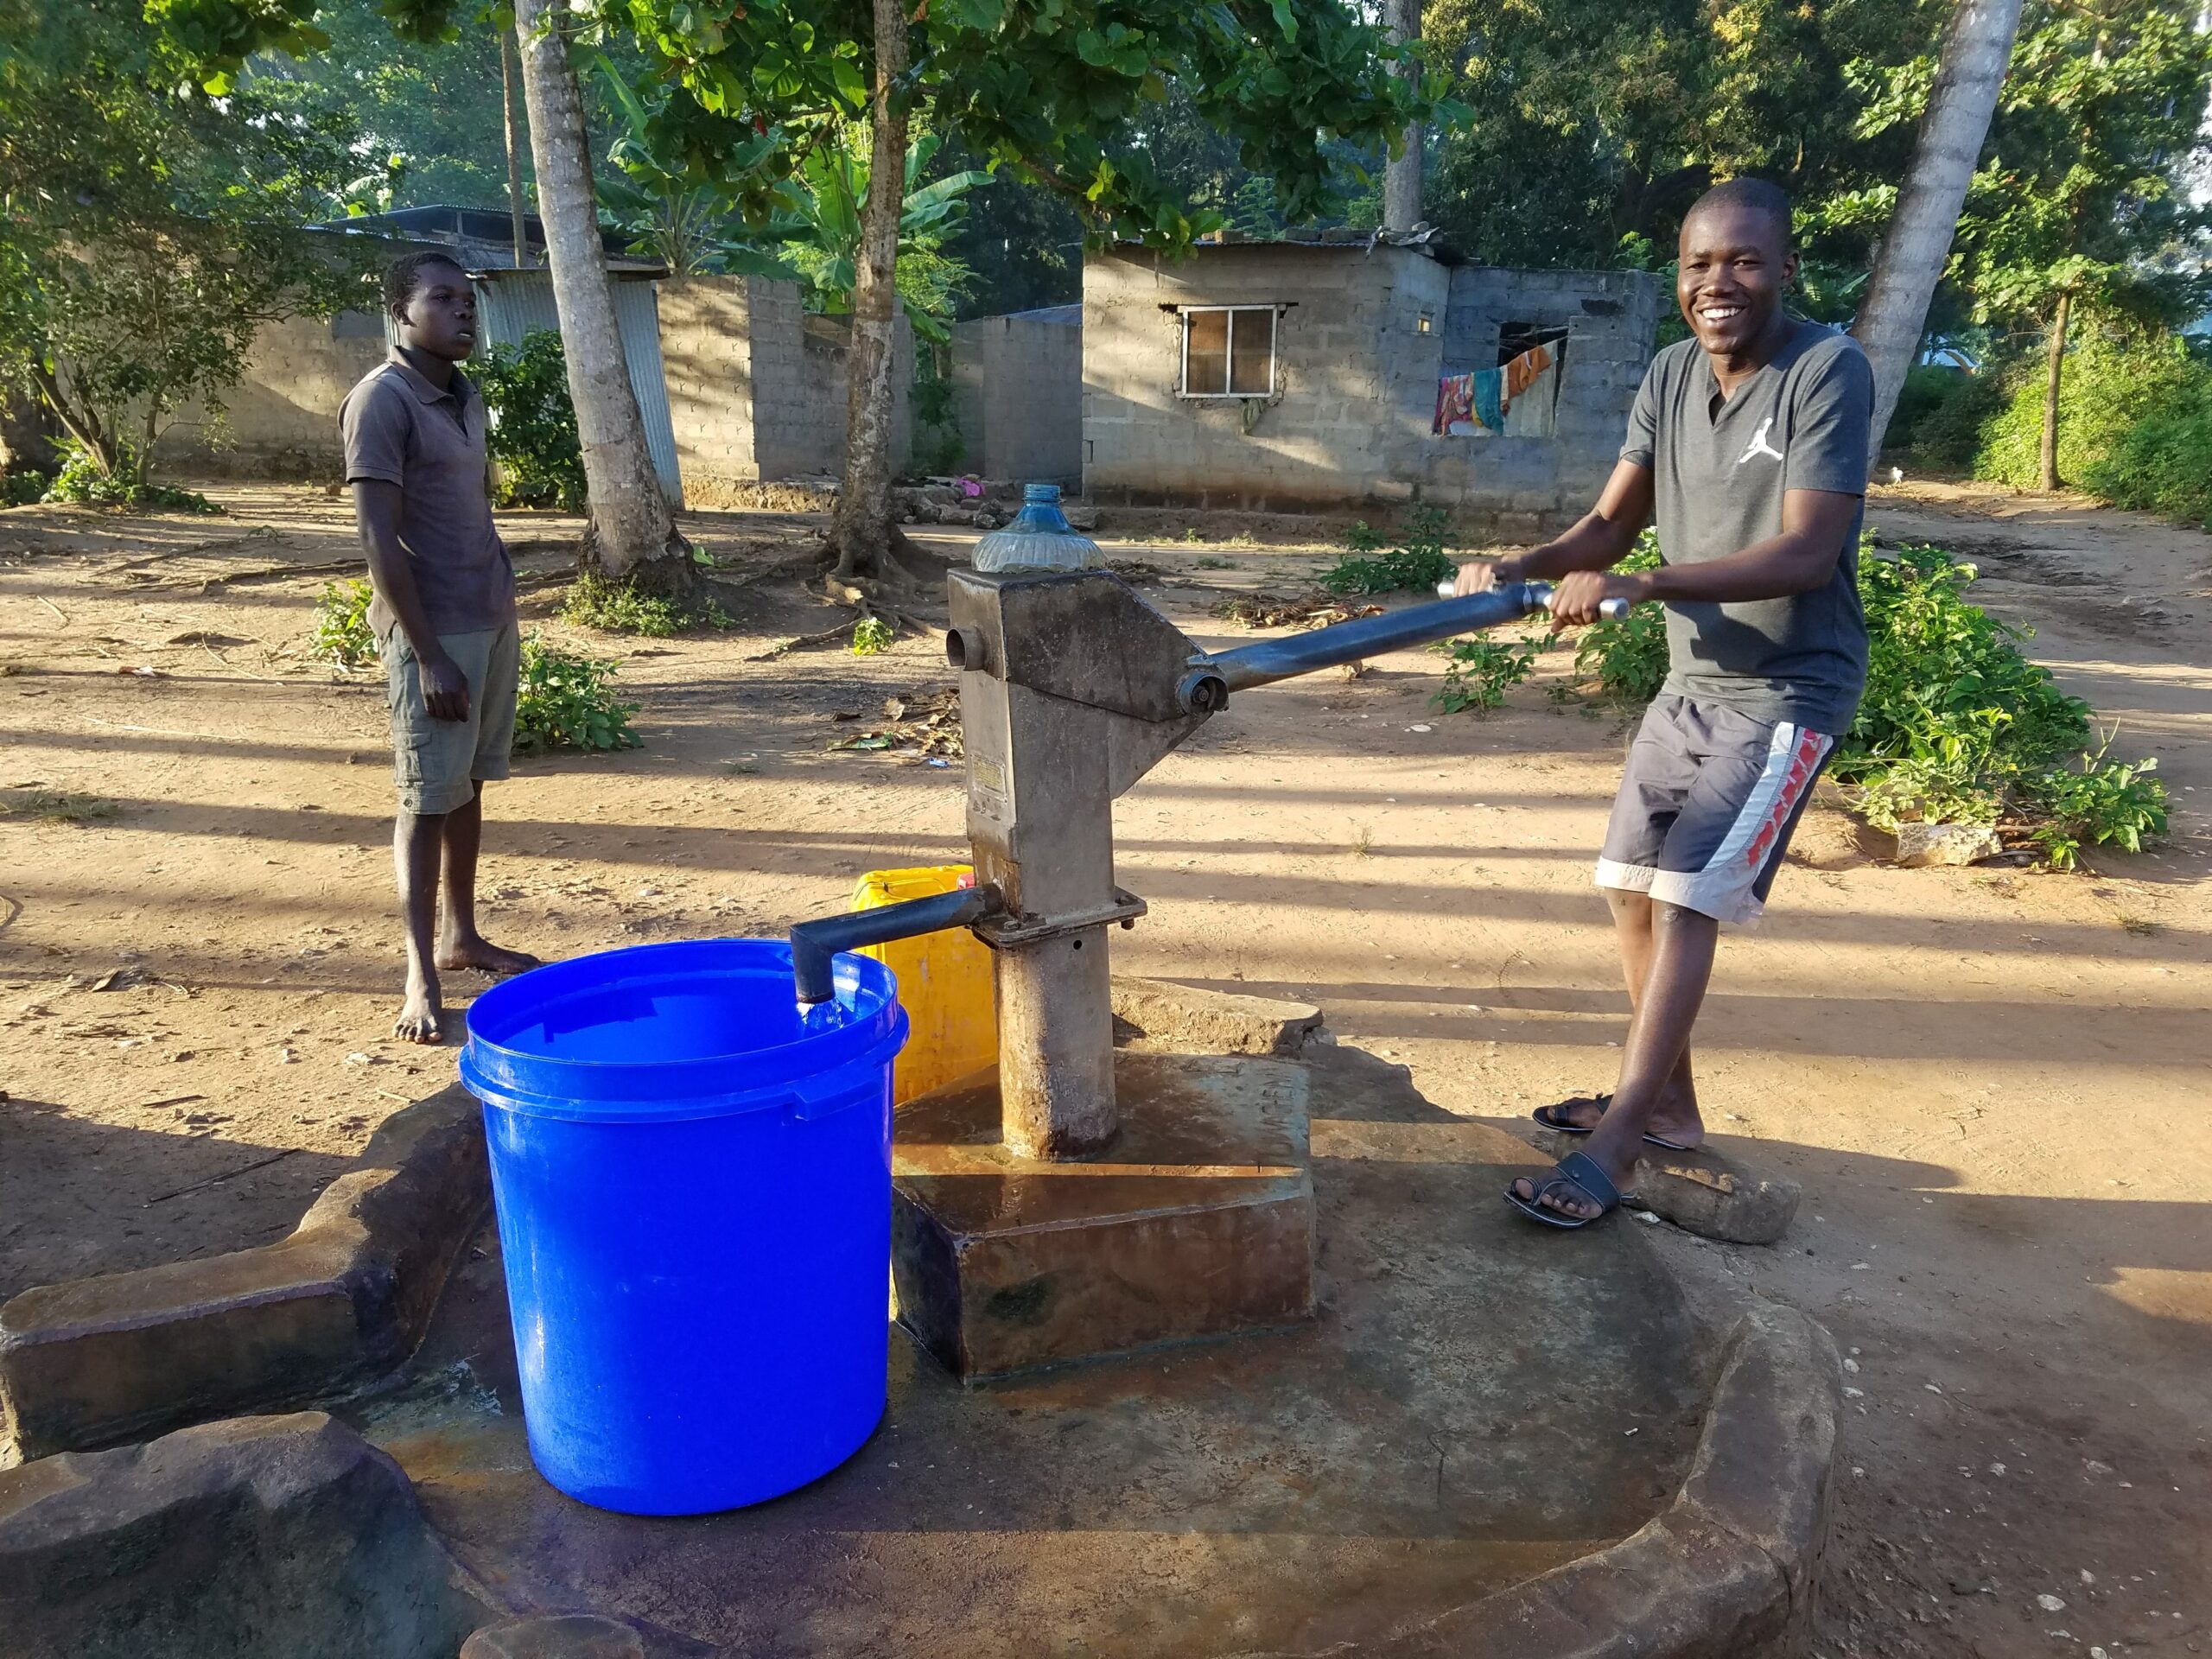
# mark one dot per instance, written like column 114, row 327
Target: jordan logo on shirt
column 1758, row 445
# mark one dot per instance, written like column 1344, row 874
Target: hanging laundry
column 1489, row 397
column 1521, row 373
column 1455, row 403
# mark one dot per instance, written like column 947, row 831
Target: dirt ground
column 1989, row 1081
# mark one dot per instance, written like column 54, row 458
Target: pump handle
column 1612, row 609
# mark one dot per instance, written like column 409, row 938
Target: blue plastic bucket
column 694, row 1193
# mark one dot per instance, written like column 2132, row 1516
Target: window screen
column 1229, row 350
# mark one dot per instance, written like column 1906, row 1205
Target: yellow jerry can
column 944, row 984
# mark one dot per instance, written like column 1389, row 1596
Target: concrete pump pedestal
column 1197, row 1221
column 1490, row 1441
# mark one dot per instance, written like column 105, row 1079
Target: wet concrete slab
column 1475, row 1402
column 1197, row 1221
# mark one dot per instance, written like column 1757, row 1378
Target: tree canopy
column 149, row 228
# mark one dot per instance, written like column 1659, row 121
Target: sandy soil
column 1989, row 1081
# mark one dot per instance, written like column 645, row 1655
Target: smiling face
column 439, row 317
column 1735, row 263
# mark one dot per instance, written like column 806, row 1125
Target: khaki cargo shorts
column 436, row 764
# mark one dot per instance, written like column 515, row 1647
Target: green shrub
column 2109, row 385
column 533, row 435
column 80, row 482
column 565, row 702
column 2163, row 463
column 871, row 634
column 1415, row 560
column 341, row 625
column 2104, row 802
column 1948, row 436
column 1958, row 726
column 1628, row 658
column 593, row 601
column 1481, row 672
column 21, row 489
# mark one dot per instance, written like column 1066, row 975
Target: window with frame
column 1229, row 350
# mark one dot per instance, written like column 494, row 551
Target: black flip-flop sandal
column 1602, row 1102
column 1580, row 1175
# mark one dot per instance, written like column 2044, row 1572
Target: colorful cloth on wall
column 1521, row 374
column 1489, row 398
column 1455, row 403
column 1478, row 400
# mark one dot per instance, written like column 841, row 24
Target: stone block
column 1920, row 846
column 1198, row 1222
column 1706, row 1192
column 259, row 1538
column 1161, row 1016
column 341, row 1302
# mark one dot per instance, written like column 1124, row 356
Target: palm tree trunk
column 1919, row 241
column 514, row 148
column 2054, row 375
column 631, row 538
column 1401, row 178
column 861, row 531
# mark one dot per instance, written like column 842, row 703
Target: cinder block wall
column 707, row 346
column 1017, row 391
column 1317, row 442
column 798, row 369
column 1517, row 488
column 281, row 421
column 1356, row 384
column 756, row 388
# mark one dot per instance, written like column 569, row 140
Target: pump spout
column 815, row 944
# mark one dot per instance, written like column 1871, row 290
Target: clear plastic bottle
column 1039, row 539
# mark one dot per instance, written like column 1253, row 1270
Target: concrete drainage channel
column 294, row 1535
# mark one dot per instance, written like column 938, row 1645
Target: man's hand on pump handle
column 1575, row 599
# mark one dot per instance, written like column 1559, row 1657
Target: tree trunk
column 1402, row 176
column 81, row 423
column 514, row 148
column 1918, row 240
column 631, row 538
column 2054, row 375
column 862, row 530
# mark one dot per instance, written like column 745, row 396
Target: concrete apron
column 1480, row 1412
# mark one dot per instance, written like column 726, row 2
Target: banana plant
column 822, row 236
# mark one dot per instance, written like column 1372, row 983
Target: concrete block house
column 1305, row 376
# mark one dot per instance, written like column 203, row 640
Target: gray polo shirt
column 399, row 428
column 1718, row 470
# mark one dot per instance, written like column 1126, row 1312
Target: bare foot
column 422, row 1018
column 480, row 953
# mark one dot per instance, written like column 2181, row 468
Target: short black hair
column 404, row 275
column 1760, row 196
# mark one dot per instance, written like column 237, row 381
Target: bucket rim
column 803, row 1070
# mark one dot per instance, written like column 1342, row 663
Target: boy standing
column 1749, row 440
column 444, row 616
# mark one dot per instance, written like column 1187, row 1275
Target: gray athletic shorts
column 1707, row 804
column 436, row 764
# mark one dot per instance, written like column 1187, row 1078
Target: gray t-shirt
column 399, row 428
column 1718, row 470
